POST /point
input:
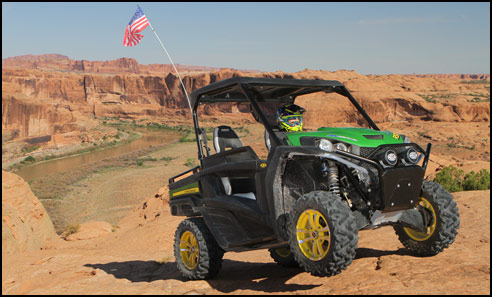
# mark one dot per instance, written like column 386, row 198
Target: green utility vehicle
column 307, row 201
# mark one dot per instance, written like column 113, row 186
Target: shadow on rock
column 234, row 275
column 372, row 253
column 264, row 277
column 140, row 271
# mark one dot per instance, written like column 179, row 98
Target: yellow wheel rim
column 313, row 234
column 188, row 247
column 283, row 252
column 420, row 236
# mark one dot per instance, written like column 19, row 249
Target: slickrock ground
column 137, row 258
column 52, row 105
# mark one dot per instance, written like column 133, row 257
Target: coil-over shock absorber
column 331, row 171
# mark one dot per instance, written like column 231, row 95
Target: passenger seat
column 225, row 137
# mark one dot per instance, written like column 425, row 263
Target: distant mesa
column 120, row 66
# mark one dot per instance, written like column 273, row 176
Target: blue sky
column 370, row 38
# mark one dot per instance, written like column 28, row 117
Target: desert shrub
column 167, row 159
column 190, row 162
column 29, row 159
column 26, row 150
column 477, row 181
column 481, row 81
column 144, row 159
column 71, row 229
column 454, row 179
column 187, row 138
column 451, row 178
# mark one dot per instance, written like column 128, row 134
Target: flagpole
column 175, row 69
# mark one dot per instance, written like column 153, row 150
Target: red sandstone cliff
column 40, row 103
column 121, row 65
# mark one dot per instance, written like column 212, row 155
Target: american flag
column 137, row 23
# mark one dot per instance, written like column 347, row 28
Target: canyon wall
column 121, row 65
column 38, row 103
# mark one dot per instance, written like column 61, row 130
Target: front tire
column 283, row 256
column 443, row 225
column 198, row 256
column 322, row 233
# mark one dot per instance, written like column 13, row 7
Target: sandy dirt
column 136, row 255
column 138, row 259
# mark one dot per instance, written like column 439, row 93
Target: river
column 148, row 139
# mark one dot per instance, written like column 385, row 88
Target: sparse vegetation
column 29, row 159
column 144, row 159
column 453, row 179
column 477, row 181
column 478, row 81
column 27, row 150
column 71, row 229
column 190, row 162
column 429, row 98
column 185, row 138
column 131, row 137
column 454, row 145
column 436, row 98
column 167, row 159
column 165, row 260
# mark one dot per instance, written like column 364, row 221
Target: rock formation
column 45, row 96
column 26, row 226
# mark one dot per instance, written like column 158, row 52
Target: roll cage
column 255, row 90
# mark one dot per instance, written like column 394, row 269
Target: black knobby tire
column 209, row 252
column 283, row 256
column 446, row 224
column 343, row 233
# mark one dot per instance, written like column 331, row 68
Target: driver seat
column 225, row 137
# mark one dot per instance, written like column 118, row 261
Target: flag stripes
column 137, row 23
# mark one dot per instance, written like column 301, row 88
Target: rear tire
column 442, row 228
column 322, row 233
column 198, row 256
column 283, row 256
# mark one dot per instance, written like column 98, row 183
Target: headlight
column 406, row 139
column 325, row 145
column 412, row 156
column 390, row 157
column 341, row 146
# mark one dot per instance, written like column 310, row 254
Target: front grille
column 366, row 151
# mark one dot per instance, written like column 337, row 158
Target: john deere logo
column 396, row 136
column 263, row 165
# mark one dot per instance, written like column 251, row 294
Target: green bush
column 71, row 229
column 477, row 181
column 190, row 162
column 451, row 178
column 454, row 179
column 29, row 159
column 26, row 150
column 167, row 159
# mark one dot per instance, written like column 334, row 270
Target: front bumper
column 401, row 187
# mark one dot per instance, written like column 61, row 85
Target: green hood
column 361, row 137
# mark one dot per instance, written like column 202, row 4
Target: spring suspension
column 333, row 181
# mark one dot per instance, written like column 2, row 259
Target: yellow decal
column 396, row 136
column 187, row 191
column 263, row 165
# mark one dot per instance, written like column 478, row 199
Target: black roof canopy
column 263, row 89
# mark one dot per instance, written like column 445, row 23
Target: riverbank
column 106, row 190
column 50, row 154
